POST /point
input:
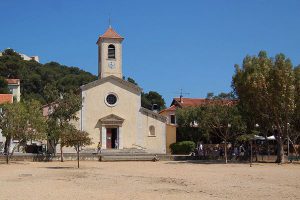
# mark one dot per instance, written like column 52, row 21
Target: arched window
column 111, row 51
column 152, row 130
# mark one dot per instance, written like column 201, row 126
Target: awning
column 258, row 137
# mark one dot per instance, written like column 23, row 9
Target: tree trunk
column 6, row 148
column 61, row 154
column 225, row 153
column 13, row 150
column 280, row 150
column 78, row 155
column 268, row 148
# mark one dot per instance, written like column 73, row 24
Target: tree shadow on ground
column 208, row 162
column 59, row 167
column 14, row 163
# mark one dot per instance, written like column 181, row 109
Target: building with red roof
column 181, row 102
column 14, row 87
column 6, row 98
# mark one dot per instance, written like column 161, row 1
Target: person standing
column 99, row 148
column 116, row 144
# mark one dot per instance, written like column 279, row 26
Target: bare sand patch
column 147, row 180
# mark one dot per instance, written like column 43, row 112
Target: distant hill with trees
column 37, row 80
column 45, row 82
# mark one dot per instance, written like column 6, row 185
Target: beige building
column 111, row 107
column 14, row 88
column 28, row 58
column 14, row 96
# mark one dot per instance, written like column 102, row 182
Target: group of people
column 236, row 152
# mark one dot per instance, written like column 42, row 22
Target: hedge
column 184, row 147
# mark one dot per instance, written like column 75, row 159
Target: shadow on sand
column 207, row 162
column 59, row 167
column 14, row 163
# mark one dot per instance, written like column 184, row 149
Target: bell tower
column 110, row 54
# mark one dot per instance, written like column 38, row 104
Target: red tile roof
column 6, row 98
column 110, row 33
column 194, row 102
column 171, row 108
column 13, row 81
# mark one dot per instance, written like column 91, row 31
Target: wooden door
column 108, row 138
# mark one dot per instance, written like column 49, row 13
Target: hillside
column 44, row 82
column 40, row 81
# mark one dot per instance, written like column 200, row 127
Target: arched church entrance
column 112, row 138
column 110, row 132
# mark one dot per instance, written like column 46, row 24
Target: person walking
column 99, row 148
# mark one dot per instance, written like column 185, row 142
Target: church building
column 111, row 106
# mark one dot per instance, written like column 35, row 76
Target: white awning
column 258, row 137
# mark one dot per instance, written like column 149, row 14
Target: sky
column 169, row 45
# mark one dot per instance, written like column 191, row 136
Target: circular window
column 111, row 99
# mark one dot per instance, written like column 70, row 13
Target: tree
column 266, row 91
column 152, row 97
column 50, row 93
column 72, row 137
column 3, row 86
column 188, row 127
column 131, row 80
column 23, row 122
column 294, row 132
column 64, row 111
column 222, row 120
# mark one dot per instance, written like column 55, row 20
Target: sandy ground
column 147, row 180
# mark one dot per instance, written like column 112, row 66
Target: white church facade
column 111, row 107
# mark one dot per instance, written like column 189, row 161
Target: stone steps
column 132, row 154
column 127, row 158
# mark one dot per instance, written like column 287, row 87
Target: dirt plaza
column 148, row 180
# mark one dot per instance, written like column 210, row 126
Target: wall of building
column 95, row 108
column 171, row 136
column 16, row 91
column 103, row 58
column 153, row 143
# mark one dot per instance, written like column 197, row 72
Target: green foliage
column 72, row 137
column 222, row 120
column 295, row 125
column 22, row 121
column 210, row 122
column 3, row 86
column 266, row 91
column 150, row 98
column 63, row 111
column 131, row 80
column 184, row 147
column 222, row 95
column 66, row 107
column 59, row 126
column 36, row 77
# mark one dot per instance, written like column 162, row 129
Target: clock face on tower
column 111, row 65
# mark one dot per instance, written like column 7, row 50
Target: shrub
column 184, row 147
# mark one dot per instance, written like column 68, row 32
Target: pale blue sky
column 168, row 44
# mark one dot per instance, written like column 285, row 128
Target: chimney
column 155, row 108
